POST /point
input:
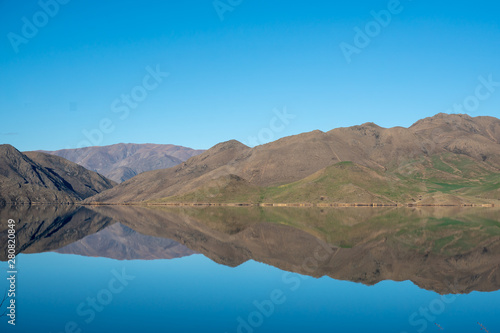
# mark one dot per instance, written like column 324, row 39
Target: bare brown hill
column 442, row 149
column 41, row 178
column 477, row 137
column 184, row 177
column 123, row 161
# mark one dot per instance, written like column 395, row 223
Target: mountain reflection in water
column 432, row 247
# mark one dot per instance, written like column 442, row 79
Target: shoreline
column 245, row 204
column 305, row 205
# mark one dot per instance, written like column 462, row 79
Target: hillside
column 122, row 161
column 191, row 174
column 41, row 178
column 445, row 159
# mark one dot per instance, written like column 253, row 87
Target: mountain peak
column 123, row 161
column 444, row 118
column 8, row 148
column 370, row 124
column 231, row 144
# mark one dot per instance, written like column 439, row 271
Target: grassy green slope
column 344, row 182
column 450, row 175
column 226, row 189
column 441, row 179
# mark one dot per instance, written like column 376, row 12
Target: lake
column 236, row 269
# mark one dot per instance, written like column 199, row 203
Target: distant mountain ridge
column 444, row 159
column 120, row 162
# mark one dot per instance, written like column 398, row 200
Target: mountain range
column 441, row 160
column 123, row 161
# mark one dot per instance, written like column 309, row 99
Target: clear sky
column 76, row 73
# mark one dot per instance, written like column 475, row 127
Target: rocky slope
column 41, row 178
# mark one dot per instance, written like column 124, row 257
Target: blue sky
column 233, row 66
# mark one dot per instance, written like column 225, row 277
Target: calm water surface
column 129, row 269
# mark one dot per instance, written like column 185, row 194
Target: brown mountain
column 165, row 182
column 438, row 160
column 41, row 178
column 122, row 161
